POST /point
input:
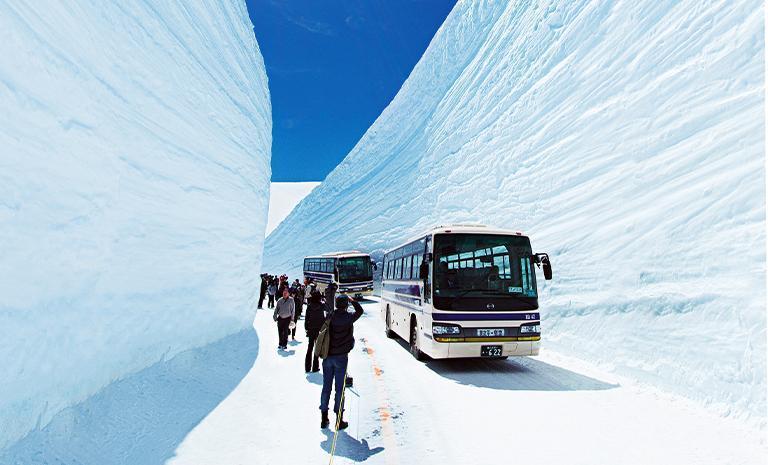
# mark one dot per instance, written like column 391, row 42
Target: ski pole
column 339, row 415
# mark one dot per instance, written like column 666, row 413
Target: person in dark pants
column 271, row 291
column 298, row 299
column 263, row 290
column 341, row 342
column 313, row 321
column 284, row 311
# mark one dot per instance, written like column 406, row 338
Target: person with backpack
column 334, row 343
column 284, row 312
column 313, row 321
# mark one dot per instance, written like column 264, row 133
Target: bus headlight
column 530, row 329
column 444, row 330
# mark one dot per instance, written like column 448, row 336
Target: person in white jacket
column 285, row 309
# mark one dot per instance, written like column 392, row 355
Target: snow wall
column 626, row 138
column 135, row 142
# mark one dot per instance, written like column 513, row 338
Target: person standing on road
column 271, row 291
column 313, row 321
column 298, row 299
column 263, row 290
column 284, row 312
column 341, row 342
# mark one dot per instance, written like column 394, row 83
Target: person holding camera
column 341, row 342
column 284, row 313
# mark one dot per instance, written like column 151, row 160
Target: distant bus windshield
column 480, row 265
column 355, row 269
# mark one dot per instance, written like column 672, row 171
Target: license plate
column 495, row 332
column 490, row 351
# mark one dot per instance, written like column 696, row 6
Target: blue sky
column 333, row 66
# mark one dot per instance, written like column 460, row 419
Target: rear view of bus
column 464, row 291
column 351, row 271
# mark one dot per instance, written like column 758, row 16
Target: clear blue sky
column 333, row 66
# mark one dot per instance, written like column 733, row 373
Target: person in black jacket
column 313, row 321
column 341, row 342
column 263, row 290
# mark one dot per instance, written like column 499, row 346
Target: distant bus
column 351, row 271
column 464, row 291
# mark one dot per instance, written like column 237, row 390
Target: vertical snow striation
column 135, row 143
column 626, row 138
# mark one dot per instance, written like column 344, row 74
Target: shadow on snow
column 513, row 374
column 143, row 418
column 349, row 447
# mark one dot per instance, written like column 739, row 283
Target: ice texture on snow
column 626, row 138
column 135, row 142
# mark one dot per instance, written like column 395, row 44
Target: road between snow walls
column 626, row 139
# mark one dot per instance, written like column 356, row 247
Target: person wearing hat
column 341, row 342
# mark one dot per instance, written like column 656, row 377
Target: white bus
column 464, row 291
column 351, row 271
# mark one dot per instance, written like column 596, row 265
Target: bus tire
column 388, row 329
column 414, row 341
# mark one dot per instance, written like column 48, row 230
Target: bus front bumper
column 356, row 292
column 473, row 349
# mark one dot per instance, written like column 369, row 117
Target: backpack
column 323, row 341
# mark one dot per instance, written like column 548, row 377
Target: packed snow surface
column 626, row 138
column 283, row 198
column 134, row 174
column 547, row 410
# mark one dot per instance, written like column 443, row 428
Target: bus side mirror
column 336, row 273
column 542, row 260
column 424, row 270
column 375, row 268
column 546, row 267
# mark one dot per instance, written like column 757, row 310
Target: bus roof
column 344, row 254
column 459, row 228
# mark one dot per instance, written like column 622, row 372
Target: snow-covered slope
column 283, row 198
column 626, row 138
column 134, row 174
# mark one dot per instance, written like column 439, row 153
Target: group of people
column 320, row 308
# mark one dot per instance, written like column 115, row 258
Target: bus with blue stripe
column 464, row 291
column 352, row 271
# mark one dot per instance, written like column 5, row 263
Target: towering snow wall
column 625, row 137
column 135, row 144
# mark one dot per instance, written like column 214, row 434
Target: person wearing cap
column 341, row 342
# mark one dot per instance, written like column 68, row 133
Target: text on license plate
column 490, row 351
column 492, row 332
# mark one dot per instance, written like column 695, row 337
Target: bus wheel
column 388, row 330
column 415, row 351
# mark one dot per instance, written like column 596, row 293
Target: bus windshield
column 483, row 265
column 355, row 269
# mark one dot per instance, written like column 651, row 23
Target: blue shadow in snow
column 143, row 418
column 348, row 447
column 515, row 374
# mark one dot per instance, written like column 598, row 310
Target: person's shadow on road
column 349, row 447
